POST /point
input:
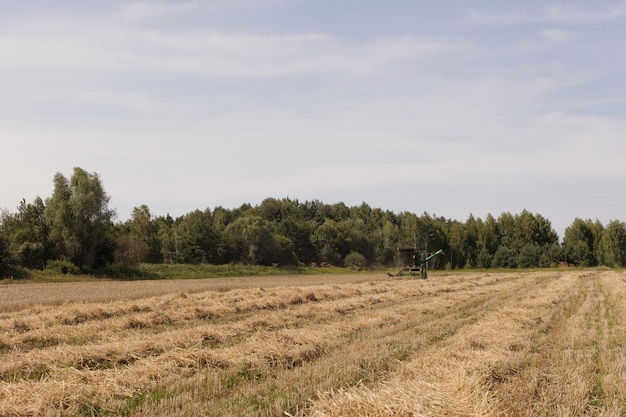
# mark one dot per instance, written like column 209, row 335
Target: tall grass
column 173, row 271
column 177, row 271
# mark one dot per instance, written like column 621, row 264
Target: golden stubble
column 519, row 343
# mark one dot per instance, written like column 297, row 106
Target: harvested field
column 474, row 344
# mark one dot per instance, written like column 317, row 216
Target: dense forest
column 76, row 229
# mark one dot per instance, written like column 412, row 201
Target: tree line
column 75, row 229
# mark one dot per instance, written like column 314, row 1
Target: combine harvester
column 412, row 262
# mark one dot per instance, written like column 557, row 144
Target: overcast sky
column 438, row 106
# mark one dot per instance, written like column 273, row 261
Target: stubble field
column 547, row 343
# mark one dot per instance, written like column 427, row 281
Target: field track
column 15, row 297
column 542, row 343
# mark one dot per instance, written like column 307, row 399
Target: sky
column 443, row 107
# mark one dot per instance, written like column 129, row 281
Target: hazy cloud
column 555, row 35
column 137, row 10
column 184, row 105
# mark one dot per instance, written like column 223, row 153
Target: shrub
column 354, row 260
column 58, row 266
column 14, row 272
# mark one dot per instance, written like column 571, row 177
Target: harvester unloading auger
column 412, row 262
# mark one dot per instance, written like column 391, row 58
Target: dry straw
column 535, row 343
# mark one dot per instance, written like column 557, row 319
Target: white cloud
column 555, row 35
column 138, row 10
column 578, row 104
column 587, row 15
column 71, row 45
column 554, row 13
column 167, row 112
column 499, row 18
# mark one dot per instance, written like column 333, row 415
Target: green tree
column 434, row 232
column 354, row 260
column 282, row 251
column 387, row 248
column 299, row 234
column 464, row 243
column 580, row 243
column 199, row 239
column 358, row 238
column 408, row 233
column 613, row 244
column 488, row 239
column 4, row 254
column 471, row 240
column 169, row 240
column 484, row 258
column 550, row 255
column 338, row 212
column 250, row 240
column 80, row 221
column 221, row 219
column 504, row 257
column 130, row 250
column 521, row 238
column 457, row 251
column 534, row 229
column 143, row 227
column 507, row 232
column 528, row 256
column 275, row 211
column 26, row 234
column 330, row 242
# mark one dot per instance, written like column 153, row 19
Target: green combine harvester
column 413, row 263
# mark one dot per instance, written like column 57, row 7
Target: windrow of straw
column 539, row 355
column 455, row 342
column 451, row 377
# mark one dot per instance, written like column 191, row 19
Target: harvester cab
column 412, row 262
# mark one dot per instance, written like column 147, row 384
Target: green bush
column 15, row 272
column 354, row 260
column 58, row 266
